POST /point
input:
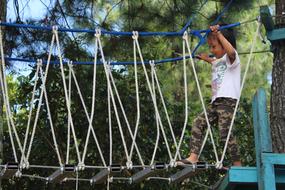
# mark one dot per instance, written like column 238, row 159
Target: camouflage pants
column 220, row 112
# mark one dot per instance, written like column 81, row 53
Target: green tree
column 130, row 15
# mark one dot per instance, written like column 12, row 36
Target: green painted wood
column 266, row 18
column 263, row 142
column 242, row 175
column 241, row 178
column 276, row 34
column 273, row 158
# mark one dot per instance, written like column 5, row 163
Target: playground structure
column 268, row 174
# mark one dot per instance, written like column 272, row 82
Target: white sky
column 28, row 9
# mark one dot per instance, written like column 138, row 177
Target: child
column 225, row 92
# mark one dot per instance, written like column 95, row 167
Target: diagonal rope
column 50, row 121
column 192, row 17
column 30, row 110
column 202, row 38
column 39, row 104
column 66, row 94
column 89, row 118
column 92, row 110
column 185, row 38
column 152, row 96
column 242, row 85
column 186, row 99
column 107, row 71
column 156, row 81
column 110, row 127
column 68, row 122
column 127, row 123
column 4, row 98
column 156, row 116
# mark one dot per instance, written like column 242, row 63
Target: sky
column 27, row 8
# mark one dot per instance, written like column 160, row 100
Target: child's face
column 215, row 47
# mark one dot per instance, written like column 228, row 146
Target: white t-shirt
column 226, row 78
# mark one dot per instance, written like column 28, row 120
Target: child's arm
column 230, row 50
column 205, row 57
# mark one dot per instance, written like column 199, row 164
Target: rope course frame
column 111, row 98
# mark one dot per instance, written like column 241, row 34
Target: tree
column 3, row 8
column 277, row 116
column 144, row 15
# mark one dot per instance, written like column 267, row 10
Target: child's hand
column 215, row 29
column 205, row 57
column 202, row 56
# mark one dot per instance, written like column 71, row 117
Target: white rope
column 68, row 122
column 66, row 94
column 51, row 122
column 107, row 70
column 90, row 127
column 4, row 97
column 129, row 162
column 242, row 85
column 30, row 110
column 40, row 101
column 164, row 107
column 185, row 96
column 185, row 37
column 137, row 98
column 7, row 102
column 110, row 127
column 93, row 99
column 151, row 92
column 156, row 116
column 77, row 181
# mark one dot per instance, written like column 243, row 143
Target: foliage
column 144, row 15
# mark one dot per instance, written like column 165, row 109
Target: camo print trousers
column 220, row 114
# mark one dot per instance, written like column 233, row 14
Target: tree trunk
column 3, row 8
column 277, row 117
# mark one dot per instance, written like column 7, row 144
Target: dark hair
column 229, row 34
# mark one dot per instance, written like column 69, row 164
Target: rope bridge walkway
column 107, row 170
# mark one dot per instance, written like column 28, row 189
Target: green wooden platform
column 269, row 173
column 246, row 178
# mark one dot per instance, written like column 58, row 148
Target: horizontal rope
column 106, row 32
column 167, row 60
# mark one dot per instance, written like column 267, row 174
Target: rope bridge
column 22, row 148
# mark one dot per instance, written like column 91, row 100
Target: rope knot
column 98, row 32
column 70, row 64
column 152, row 64
column 135, row 35
column 185, row 35
column 40, row 62
column 54, row 29
column 129, row 164
column 219, row 165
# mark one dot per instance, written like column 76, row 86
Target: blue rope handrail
column 203, row 38
column 192, row 17
column 167, row 60
column 193, row 32
column 50, row 28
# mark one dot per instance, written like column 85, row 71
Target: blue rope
column 193, row 32
column 99, row 62
column 192, row 17
column 103, row 31
column 203, row 39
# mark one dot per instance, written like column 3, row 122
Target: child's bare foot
column 237, row 163
column 192, row 159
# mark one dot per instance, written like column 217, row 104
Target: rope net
column 79, row 127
